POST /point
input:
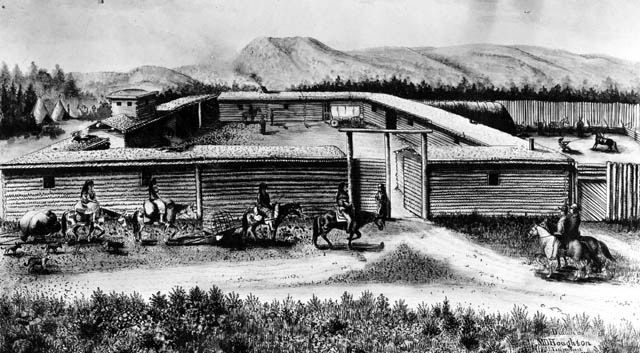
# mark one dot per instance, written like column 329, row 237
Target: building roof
column 200, row 154
column 184, row 102
column 453, row 123
column 126, row 124
column 492, row 155
column 286, row 96
column 131, row 93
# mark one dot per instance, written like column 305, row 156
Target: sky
column 118, row 35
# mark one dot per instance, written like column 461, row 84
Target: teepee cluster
column 42, row 116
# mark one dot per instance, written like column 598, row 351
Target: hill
column 145, row 77
column 282, row 62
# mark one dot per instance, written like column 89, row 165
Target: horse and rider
column 347, row 218
column 567, row 241
column 266, row 212
column 86, row 213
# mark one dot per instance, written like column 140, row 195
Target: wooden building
column 379, row 110
column 209, row 177
column 138, row 122
column 494, row 180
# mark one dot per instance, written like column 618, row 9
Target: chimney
column 531, row 144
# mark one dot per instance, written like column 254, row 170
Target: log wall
column 295, row 111
column 234, row 187
column 521, row 190
column 119, row 190
column 622, row 193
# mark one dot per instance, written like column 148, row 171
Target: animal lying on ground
column 12, row 249
column 36, row 263
column 601, row 140
column 52, row 247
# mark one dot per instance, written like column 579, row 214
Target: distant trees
column 17, row 102
column 464, row 90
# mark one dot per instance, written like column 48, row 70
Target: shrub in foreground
column 209, row 321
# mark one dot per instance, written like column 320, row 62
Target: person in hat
column 345, row 209
column 264, row 207
column 382, row 201
column 561, row 230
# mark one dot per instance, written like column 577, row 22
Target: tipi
column 59, row 112
column 40, row 112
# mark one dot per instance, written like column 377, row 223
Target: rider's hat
column 262, row 185
column 563, row 208
column 575, row 206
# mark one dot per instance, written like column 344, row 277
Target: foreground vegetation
column 209, row 321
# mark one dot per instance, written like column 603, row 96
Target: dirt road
column 492, row 282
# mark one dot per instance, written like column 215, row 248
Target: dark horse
column 601, row 140
column 250, row 222
column 580, row 252
column 323, row 224
column 39, row 224
column 149, row 214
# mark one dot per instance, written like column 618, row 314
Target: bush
column 195, row 320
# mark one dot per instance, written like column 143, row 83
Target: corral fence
column 611, row 115
column 609, row 191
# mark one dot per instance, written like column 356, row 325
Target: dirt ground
column 629, row 149
column 487, row 281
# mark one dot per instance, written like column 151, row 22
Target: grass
column 505, row 234
column 403, row 264
column 196, row 320
column 508, row 236
column 292, row 241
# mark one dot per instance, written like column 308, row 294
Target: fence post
column 387, row 167
column 198, row 174
column 425, row 177
column 350, row 165
column 609, row 191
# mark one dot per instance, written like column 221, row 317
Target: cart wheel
column 334, row 123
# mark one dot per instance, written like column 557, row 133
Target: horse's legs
column 324, row 236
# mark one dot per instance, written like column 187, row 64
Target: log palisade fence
column 623, row 196
column 530, row 112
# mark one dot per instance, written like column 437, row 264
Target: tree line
column 19, row 93
column 478, row 91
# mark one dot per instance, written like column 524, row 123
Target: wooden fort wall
column 282, row 111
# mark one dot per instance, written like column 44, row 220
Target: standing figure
column 382, row 202
column 580, row 127
column 345, row 209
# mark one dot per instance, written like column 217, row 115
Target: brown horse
column 149, row 214
column 250, row 222
column 323, row 224
column 601, row 140
column 580, row 252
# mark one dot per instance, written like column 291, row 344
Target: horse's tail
column 63, row 222
column 316, row 229
column 245, row 222
column 135, row 224
column 605, row 251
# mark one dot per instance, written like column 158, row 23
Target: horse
column 39, row 224
column 149, row 214
column 37, row 264
column 324, row 223
column 580, row 252
column 250, row 221
column 250, row 114
column 74, row 220
column 597, row 247
column 601, row 140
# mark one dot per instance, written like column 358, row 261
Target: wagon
column 217, row 225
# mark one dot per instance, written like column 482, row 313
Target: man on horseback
column 344, row 206
column 573, row 223
column 160, row 204
column 561, row 230
column 264, row 207
column 88, row 206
